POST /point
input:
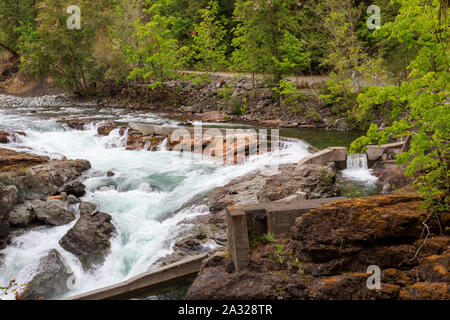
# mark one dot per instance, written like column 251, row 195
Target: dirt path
column 309, row 79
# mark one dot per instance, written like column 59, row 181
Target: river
column 148, row 197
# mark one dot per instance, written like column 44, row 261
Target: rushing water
column 357, row 169
column 147, row 197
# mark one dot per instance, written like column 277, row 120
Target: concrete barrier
column 338, row 155
column 148, row 282
column 250, row 221
column 375, row 153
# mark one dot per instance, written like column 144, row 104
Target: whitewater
column 148, row 196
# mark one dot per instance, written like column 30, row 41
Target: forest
column 390, row 63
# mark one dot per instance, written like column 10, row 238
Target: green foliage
column 420, row 103
column 226, row 92
column 156, row 56
column 63, row 54
column 259, row 47
column 14, row 15
column 290, row 95
column 208, row 41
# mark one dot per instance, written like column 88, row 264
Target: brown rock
column 426, row 291
column 89, row 239
column 11, row 159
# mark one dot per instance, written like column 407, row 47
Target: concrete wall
column 337, row 155
column 245, row 222
column 146, row 283
column 375, row 153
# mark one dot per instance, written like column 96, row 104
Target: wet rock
column 87, row 207
column 21, row 216
column 8, row 198
column 17, row 160
column 50, row 280
column 4, row 137
column 391, row 176
column 105, row 130
column 110, row 174
column 71, row 199
column 42, row 180
column 53, row 212
column 76, row 124
column 89, row 239
column 75, row 188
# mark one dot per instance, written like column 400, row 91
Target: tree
column 420, row 103
column 264, row 28
column 156, row 56
column 66, row 55
column 14, row 15
column 208, row 40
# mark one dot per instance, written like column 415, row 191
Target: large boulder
column 309, row 180
column 89, row 239
column 19, row 160
column 75, row 188
column 8, row 198
column 53, row 212
column 42, row 180
column 21, row 215
column 316, row 181
column 50, row 280
column 87, row 208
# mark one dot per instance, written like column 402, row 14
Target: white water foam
column 358, row 170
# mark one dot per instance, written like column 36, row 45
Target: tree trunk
column 15, row 54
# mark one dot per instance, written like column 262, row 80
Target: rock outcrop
column 89, row 239
column 51, row 279
column 53, row 212
column 8, row 197
column 21, row 215
column 42, row 180
column 329, row 251
column 309, row 181
column 25, row 178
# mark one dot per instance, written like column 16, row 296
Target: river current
column 148, row 196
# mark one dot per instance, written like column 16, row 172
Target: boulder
column 50, row 280
column 40, row 181
column 87, row 208
column 4, row 136
column 75, row 188
column 8, row 198
column 105, row 130
column 53, row 212
column 89, row 239
column 10, row 158
column 71, row 199
column 21, row 215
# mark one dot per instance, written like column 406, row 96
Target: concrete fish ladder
column 147, row 283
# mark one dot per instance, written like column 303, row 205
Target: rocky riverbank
column 36, row 191
column 292, row 182
column 328, row 253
